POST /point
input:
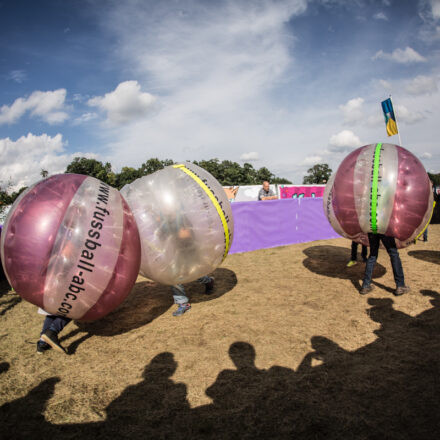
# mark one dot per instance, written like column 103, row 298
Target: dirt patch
column 285, row 348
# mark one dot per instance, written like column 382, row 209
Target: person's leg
column 354, row 251
column 364, row 253
column 371, row 262
column 50, row 335
column 425, row 234
column 396, row 264
column 47, row 323
column 42, row 346
column 208, row 282
column 353, row 257
column 180, row 299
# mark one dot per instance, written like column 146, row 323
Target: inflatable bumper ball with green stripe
column 185, row 223
column 382, row 189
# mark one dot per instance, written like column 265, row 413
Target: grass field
column 285, row 348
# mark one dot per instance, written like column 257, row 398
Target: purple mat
column 261, row 225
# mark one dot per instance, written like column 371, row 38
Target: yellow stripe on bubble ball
column 214, row 202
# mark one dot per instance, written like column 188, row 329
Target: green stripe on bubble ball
column 374, row 188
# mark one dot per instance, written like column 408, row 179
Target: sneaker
column 182, row 309
column 42, row 347
column 351, row 263
column 51, row 338
column 209, row 287
column 366, row 289
column 401, row 290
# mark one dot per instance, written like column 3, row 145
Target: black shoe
column 51, row 338
column 42, row 347
column 209, row 287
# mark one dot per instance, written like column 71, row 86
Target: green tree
column 153, row 165
column 126, row 176
column 93, row 168
column 318, row 174
column 435, row 178
column 7, row 198
column 281, row 181
column 44, row 173
column 264, row 174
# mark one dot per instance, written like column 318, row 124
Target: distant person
column 396, row 264
column 425, row 232
column 266, row 193
column 354, row 249
column 52, row 326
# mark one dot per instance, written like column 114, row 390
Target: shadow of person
column 331, row 261
column 326, row 352
column 147, row 301
column 225, row 281
column 235, row 395
column 426, row 255
column 4, row 367
column 155, row 405
column 8, row 299
column 238, row 387
column 23, row 418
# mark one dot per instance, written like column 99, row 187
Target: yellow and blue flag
column 390, row 118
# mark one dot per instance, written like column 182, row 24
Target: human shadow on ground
column 386, row 389
column 23, row 418
column 8, row 298
column 147, row 301
column 4, row 367
column 331, row 261
column 426, row 255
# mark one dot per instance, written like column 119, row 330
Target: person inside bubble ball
column 396, row 264
column 266, row 193
column 180, row 235
column 354, row 249
column 52, row 326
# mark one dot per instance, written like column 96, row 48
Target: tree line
column 228, row 173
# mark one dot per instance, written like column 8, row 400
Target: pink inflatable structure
column 70, row 245
column 379, row 188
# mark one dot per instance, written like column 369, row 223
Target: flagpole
column 397, row 125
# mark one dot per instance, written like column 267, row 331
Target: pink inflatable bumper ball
column 70, row 245
column 382, row 189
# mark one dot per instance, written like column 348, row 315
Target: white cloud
column 380, row 16
column 352, row 110
column 21, row 161
column 85, row 117
column 345, row 140
column 426, row 155
column 403, row 114
column 435, row 8
column 48, row 106
column 251, row 156
column 403, row 56
column 422, row 85
column 126, row 103
column 213, row 68
column 17, row 75
column 312, row 160
column 385, row 84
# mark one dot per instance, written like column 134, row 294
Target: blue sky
column 282, row 84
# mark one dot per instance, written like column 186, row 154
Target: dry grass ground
column 285, row 348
